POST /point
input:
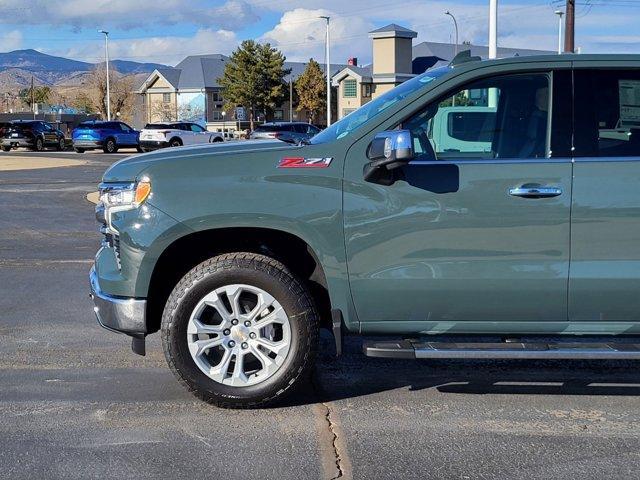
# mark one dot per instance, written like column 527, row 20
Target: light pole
column 455, row 24
column 559, row 13
column 106, row 53
column 224, row 114
column 328, row 67
column 290, row 99
column 493, row 46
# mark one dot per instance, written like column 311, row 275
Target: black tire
column 39, row 145
column 78, row 150
column 6, row 149
column 175, row 142
column 110, row 146
column 258, row 271
column 139, row 149
column 62, row 145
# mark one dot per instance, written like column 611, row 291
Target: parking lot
column 76, row 403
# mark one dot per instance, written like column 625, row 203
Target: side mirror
column 388, row 151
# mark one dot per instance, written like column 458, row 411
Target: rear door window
column 607, row 113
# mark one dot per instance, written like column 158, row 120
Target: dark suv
column 33, row 134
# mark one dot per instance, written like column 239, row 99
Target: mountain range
column 17, row 68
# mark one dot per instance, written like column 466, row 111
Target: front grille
column 109, row 240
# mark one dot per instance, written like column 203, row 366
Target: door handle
column 527, row 191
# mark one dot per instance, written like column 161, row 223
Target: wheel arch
column 189, row 250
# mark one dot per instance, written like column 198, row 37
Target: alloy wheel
column 239, row 335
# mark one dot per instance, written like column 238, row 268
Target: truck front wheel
column 240, row 330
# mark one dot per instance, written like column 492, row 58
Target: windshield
column 347, row 124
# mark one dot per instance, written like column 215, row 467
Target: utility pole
column 570, row 27
column 328, row 67
column 106, row 55
column 559, row 13
column 33, row 105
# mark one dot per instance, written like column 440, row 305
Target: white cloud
column 11, row 41
column 300, row 34
column 167, row 50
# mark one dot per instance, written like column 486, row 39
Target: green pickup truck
column 521, row 239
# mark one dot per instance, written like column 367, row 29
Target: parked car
column 175, row 134
column 3, row 128
column 529, row 246
column 108, row 136
column 290, row 132
column 33, row 134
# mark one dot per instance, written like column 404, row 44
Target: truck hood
column 129, row 168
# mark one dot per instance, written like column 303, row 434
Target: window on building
column 166, row 98
column 216, row 115
column 366, row 90
column 607, row 123
column 216, row 97
column 350, row 88
column 278, row 114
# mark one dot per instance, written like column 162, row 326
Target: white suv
column 175, row 134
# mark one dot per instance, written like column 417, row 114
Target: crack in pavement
column 335, row 461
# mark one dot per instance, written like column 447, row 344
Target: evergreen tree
column 311, row 88
column 254, row 79
column 39, row 95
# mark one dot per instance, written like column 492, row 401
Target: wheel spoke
column 219, row 372
column 278, row 315
column 275, row 347
column 266, row 361
column 196, row 327
column 214, row 301
column 198, row 347
column 238, row 376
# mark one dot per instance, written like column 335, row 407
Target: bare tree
column 120, row 89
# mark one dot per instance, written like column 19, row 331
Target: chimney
column 352, row 62
column 392, row 54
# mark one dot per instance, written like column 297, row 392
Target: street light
column 328, row 67
column 455, row 24
column 223, row 126
column 559, row 13
column 106, row 53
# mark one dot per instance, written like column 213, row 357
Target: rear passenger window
column 607, row 113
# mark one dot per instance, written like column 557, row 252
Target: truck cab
column 495, row 200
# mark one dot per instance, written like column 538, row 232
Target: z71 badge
column 302, row 162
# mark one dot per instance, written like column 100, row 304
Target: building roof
column 196, row 72
column 392, row 30
column 434, row 54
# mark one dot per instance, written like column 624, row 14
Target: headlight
column 119, row 197
column 124, row 196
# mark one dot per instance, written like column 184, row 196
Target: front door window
column 501, row 117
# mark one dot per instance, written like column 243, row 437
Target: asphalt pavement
column 76, row 403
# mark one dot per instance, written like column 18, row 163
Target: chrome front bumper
column 123, row 315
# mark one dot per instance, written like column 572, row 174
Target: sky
column 165, row 31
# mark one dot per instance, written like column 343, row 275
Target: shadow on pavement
column 354, row 375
